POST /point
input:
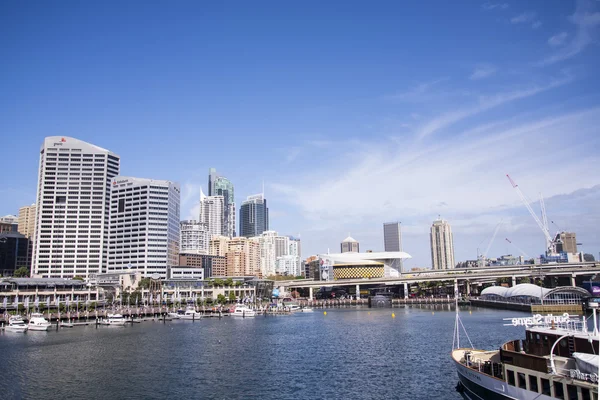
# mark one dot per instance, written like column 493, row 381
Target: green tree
column 588, row 257
column 144, row 283
column 22, row 272
column 221, row 299
column 524, row 280
column 232, row 296
column 218, row 282
column 228, row 282
column 135, row 296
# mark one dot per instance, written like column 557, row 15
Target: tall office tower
column 254, row 216
column 442, row 246
column 71, row 223
column 27, row 221
column 144, row 225
column 194, row 237
column 243, row 257
column 349, row 245
column 392, row 238
column 218, row 245
column 268, row 259
column 211, row 214
column 220, row 186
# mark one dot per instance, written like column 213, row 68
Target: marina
column 346, row 353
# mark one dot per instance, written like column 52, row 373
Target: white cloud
column 586, row 20
column 493, row 6
column 410, row 181
column 558, row 39
column 523, row 18
column 536, row 24
column 484, row 104
column 418, row 93
column 483, row 71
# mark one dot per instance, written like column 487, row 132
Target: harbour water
column 348, row 353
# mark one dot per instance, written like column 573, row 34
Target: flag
column 67, row 301
column 4, row 303
column 151, row 298
column 27, row 302
column 37, row 301
column 48, row 301
column 16, row 300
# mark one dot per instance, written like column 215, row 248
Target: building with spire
column 442, row 245
column 220, row 186
column 254, row 216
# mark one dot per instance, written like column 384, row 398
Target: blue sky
column 353, row 113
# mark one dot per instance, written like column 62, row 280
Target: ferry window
column 572, row 392
column 511, row 377
column 537, row 338
column 522, row 381
column 559, row 392
column 533, row 386
column 585, row 394
column 546, row 387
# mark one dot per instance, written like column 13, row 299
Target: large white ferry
column 558, row 359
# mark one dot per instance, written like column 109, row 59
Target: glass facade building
column 254, row 216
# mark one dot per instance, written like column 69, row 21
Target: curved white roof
column 526, row 289
column 497, row 290
column 349, row 239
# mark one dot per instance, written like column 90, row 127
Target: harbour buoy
column 393, row 315
column 470, row 312
column 324, row 312
column 432, row 313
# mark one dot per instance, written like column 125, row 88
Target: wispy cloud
column 461, row 177
column 558, row 39
column 536, row 24
column 523, row 18
column 417, row 93
column 586, row 19
column 494, row 6
column 485, row 104
column 483, row 71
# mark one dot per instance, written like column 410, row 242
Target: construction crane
column 550, row 244
column 484, row 255
column 517, row 247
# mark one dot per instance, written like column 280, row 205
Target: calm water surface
column 348, row 353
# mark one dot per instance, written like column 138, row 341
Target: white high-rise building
column 296, row 250
column 27, row 221
column 71, row 227
column 194, row 237
column 144, row 225
column 212, row 214
column 268, row 258
column 288, row 265
column 442, row 245
column 282, row 246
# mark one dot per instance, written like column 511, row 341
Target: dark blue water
column 352, row 353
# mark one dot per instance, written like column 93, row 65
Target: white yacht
column 114, row 319
column 306, row 309
column 16, row 324
column 175, row 315
column 241, row 310
column 190, row 313
column 37, row 322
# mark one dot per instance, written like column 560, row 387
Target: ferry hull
column 479, row 386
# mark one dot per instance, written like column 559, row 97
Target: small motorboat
column 37, row 322
column 241, row 310
column 16, row 324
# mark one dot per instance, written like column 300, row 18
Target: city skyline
column 405, row 120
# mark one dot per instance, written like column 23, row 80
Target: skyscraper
column 212, row 214
column 392, row 238
column 71, row 227
column 220, row 186
column 254, row 216
column 194, row 237
column 27, row 221
column 349, row 245
column 144, row 225
column 442, row 245
column 268, row 259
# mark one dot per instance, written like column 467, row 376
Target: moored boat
column 241, row 310
column 190, row 313
column 37, row 322
column 558, row 359
column 114, row 320
column 16, row 324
